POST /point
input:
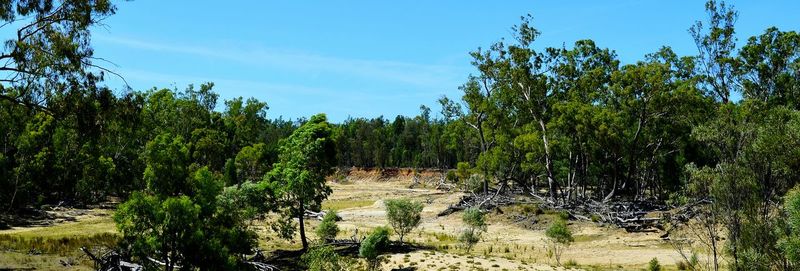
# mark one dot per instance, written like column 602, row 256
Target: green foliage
column 559, row 232
column 306, row 158
column 474, row 217
column 323, row 258
column 560, row 238
column 205, row 230
column 404, row 215
column 327, row 229
column 373, row 246
column 167, row 160
column 476, row 225
column 474, row 183
column 653, row 265
column 252, row 163
column 790, row 245
column 51, row 52
column 563, row 215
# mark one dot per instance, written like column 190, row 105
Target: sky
column 375, row 58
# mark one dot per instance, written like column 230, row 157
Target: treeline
column 92, row 143
column 418, row 142
column 577, row 123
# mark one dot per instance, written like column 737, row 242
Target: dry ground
column 507, row 245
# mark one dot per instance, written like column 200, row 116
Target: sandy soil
column 506, row 245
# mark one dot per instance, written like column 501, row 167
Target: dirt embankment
column 353, row 174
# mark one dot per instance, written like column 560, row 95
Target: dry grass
column 57, row 247
column 337, row 205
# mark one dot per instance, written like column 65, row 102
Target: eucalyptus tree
column 580, row 77
column 654, row 109
column 50, row 53
column 769, row 68
column 716, row 43
column 298, row 178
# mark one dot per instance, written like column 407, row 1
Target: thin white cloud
column 393, row 71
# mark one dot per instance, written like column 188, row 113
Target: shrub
column 327, row 229
column 322, row 258
column 476, row 225
column 682, row 265
column 373, row 245
column 531, row 209
column 560, row 238
column 571, row 263
column 654, row 265
column 474, row 183
column 404, row 215
column 469, row 237
column 564, row 215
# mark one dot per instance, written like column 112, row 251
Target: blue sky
column 372, row 58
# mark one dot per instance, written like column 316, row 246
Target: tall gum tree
column 306, row 157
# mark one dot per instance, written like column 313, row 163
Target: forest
column 566, row 126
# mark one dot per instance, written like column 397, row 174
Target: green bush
column 654, row 265
column 560, row 237
column 373, row 245
column 563, row 215
column 322, row 258
column 474, row 183
column 328, row 229
column 403, row 215
column 476, row 225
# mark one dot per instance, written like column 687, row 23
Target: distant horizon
column 375, row 59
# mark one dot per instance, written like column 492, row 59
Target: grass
column 47, row 248
column 337, row 205
column 10, row 260
column 87, row 227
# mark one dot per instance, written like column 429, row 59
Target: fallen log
column 318, row 215
column 111, row 261
column 259, row 266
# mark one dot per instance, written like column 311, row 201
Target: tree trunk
column 302, row 227
column 548, row 163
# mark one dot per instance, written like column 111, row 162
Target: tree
column 373, row 245
column 473, row 218
column 403, row 215
column 251, row 163
column 715, row 46
column 167, row 160
column 767, row 68
column 327, row 229
column 50, row 55
column 167, row 228
column 204, row 227
column 560, row 238
column 305, row 159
